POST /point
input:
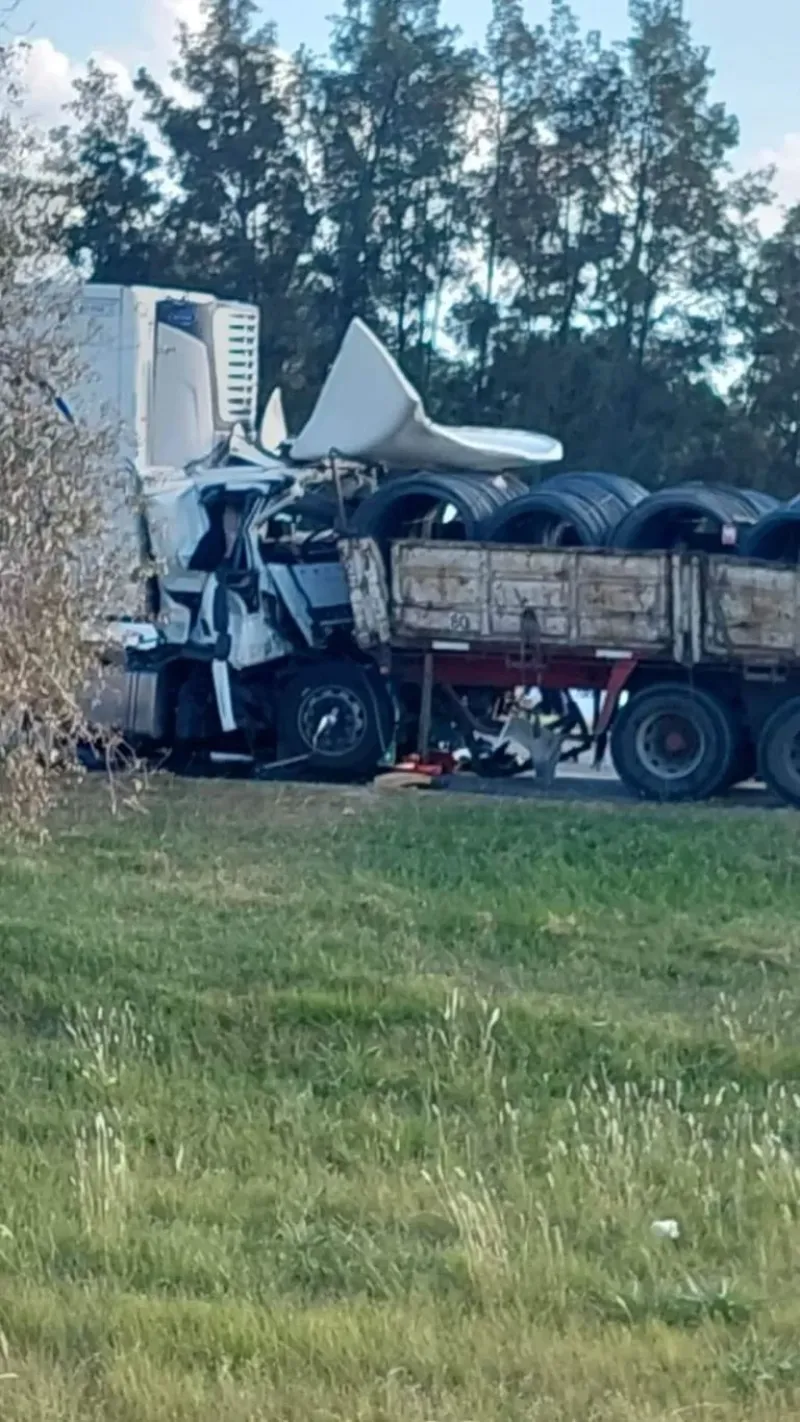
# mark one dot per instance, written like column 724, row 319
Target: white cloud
column 785, row 159
column 48, row 74
column 164, row 18
column 187, row 12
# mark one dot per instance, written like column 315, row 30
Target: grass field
column 339, row 1105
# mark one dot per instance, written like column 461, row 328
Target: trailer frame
column 723, row 635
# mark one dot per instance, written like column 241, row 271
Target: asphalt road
column 583, row 783
column 574, row 783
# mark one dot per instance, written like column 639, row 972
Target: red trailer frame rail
column 453, row 671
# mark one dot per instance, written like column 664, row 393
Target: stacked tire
column 581, row 509
column 569, row 510
column 572, row 510
column 452, row 506
column 708, row 518
column 776, row 536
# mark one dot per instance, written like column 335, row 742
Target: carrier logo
column 181, row 315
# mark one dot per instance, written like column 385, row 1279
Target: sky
column 754, row 51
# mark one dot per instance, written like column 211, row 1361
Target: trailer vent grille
column 236, row 347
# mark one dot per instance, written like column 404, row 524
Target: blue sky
column 754, row 49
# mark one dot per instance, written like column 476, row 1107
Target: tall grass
column 316, row 1107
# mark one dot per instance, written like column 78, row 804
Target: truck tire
column 554, row 518
column 672, row 743
column 354, row 742
column 399, row 506
column 779, row 752
column 687, row 515
column 589, row 482
column 776, row 537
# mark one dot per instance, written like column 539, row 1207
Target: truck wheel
column 672, row 742
column 779, row 752
column 339, row 715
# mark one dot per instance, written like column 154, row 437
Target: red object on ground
column 435, row 763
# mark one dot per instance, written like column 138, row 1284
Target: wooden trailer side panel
column 687, row 608
column 751, row 612
column 495, row 594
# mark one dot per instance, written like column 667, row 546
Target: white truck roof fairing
column 368, row 410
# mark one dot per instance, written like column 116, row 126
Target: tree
column 621, row 238
column 109, row 179
column 240, row 221
column 685, row 224
column 770, row 390
column 510, row 112
column 391, row 116
column 551, row 106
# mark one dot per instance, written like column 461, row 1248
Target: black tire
column 590, row 482
column 688, row 515
column 760, row 502
column 775, row 538
column 779, row 752
column 673, row 743
column 356, row 743
column 556, row 518
column 400, row 504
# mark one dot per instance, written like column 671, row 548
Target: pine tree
column 683, row 220
column 771, row 387
column 392, row 124
column 240, row 222
column 108, row 180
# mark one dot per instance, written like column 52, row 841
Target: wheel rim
column 332, row 720
column 784, row 757
column 670, row 745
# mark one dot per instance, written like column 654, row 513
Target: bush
column 57, row 566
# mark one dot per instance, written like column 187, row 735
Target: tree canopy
column 549, row 230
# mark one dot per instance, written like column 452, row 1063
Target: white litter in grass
column 666, row 1229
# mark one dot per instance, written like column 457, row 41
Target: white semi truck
column 290, row 623
column 246, row 644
